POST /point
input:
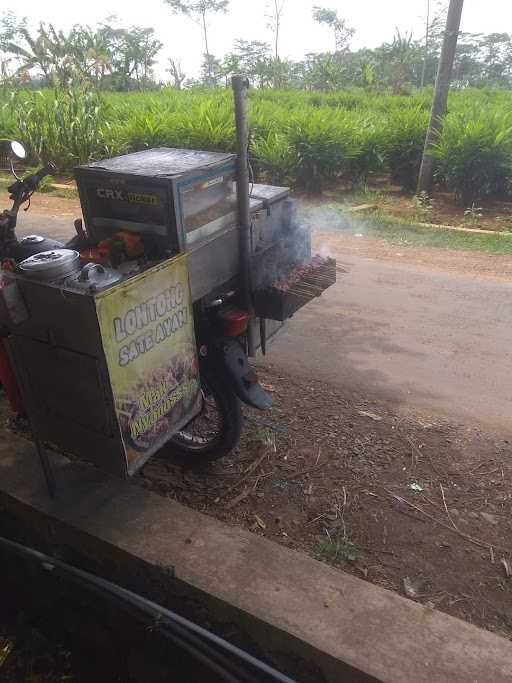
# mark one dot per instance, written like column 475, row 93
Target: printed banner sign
column 147, row 329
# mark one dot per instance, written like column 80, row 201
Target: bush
column 369, row 137
column 403, row 143
column 324, row 144
column 474, row 153
column 273, row 155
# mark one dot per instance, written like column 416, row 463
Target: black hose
column 206, row 647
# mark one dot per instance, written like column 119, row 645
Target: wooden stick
column 446, row 508
column 305, row 286
column 301, row 295
column 252, row 467
column 238, row 499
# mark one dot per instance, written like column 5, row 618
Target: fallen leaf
column 506, row 567
column 409, row 589
column 373, row 416
column 6, row 647
column 415, row 588
column 260, row 522
column 415, row 487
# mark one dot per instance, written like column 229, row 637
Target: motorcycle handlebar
column 20, row 192
column 32, row 181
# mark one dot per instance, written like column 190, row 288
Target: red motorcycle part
column 235, row 322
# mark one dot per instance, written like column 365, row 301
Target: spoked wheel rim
column 207, row 428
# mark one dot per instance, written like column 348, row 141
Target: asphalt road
column 424, row 340
column 420, row 338
column 55, row 223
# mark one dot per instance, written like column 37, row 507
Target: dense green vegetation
column 307, row 139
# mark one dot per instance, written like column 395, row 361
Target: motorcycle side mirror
column 17, row 151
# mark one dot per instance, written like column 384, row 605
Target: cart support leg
column 46, row 467
column 263, row 335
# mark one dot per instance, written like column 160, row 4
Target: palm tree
column 34, row 54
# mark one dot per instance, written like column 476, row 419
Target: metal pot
column 92, row 278
column 34, row 244
column 54, row 264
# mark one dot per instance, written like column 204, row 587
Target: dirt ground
column 441, row 209
column 488, row 215
column 474, row 263
column 48, row 204
column 418, row 506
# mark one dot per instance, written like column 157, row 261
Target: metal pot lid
column 49, row 260
column 92, row 278
column 32, row 239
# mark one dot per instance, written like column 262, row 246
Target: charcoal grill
column 281, row 300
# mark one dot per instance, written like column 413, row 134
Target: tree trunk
column 425, row 55
column 442, row 87
column 277, row 14
column 208, row 61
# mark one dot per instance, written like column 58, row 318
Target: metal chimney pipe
column 240, row 86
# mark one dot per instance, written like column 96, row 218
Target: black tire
column 191, row 452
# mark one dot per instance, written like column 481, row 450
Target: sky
column 374, row 21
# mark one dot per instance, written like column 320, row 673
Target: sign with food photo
column 147, row 329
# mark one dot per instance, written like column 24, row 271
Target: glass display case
column 208, row 205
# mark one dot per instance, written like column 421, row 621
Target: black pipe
column 211, row 650
column 240, row 85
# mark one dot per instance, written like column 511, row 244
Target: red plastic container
column 9, row 382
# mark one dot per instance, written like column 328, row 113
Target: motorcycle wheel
column 216, row 430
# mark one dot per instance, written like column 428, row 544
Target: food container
column 54, row 264
column 94, row 255
column 92, row 278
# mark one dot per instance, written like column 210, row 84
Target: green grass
column 334, row 549
column 406, row 234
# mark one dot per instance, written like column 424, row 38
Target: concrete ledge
column 310, row 620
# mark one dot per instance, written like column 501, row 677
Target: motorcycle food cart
column 134, row 337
